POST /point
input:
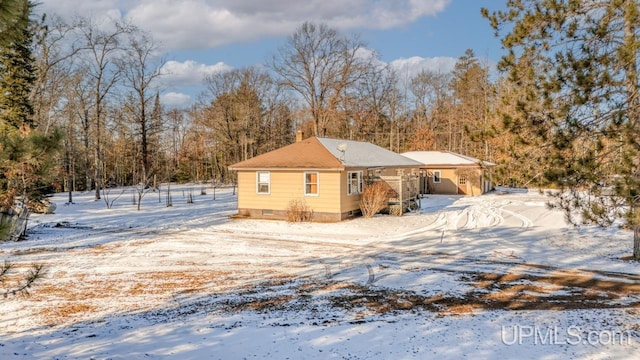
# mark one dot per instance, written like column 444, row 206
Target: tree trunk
column 97, row 171
column 636, row 242
column 633, row 100
column 98, row 151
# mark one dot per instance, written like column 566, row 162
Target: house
column 445, row 172
column 325, row 174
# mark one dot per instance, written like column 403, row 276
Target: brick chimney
column 299, row 134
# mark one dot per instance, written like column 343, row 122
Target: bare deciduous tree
column 369, row 103
column 248, row 115
column 319, row 64
column 141, row 68
column 102, row 48
column 55, row 48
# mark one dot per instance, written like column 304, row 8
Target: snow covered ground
column 494, row 276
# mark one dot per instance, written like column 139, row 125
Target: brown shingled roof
column 306, row 154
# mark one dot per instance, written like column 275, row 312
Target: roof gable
column 308, row 153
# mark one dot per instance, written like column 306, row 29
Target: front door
column 462, row 185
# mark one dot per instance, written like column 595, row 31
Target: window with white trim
column 437, row 176
column 263, row 182
column 462, row 180
column 354, row 182
column 311, row 183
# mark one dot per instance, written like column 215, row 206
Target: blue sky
column 447, row 34
column 202, row 37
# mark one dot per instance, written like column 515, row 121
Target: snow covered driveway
column 464, row 276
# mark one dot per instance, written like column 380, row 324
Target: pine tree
column 17, row 77
column 12, row 20
column 579, row 63
column 16, row 112
column 471, row 90
column 25, row 155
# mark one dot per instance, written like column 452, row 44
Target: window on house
column 462, row 180
column 311, row 183
column 437, row 176
column 354, row 182
column 263, row 182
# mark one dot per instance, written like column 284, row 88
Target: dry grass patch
column 171, row 282
column 64, row 312
column 461, row 309
column 79, row 290
column 129, row 292
column 337, row 286
column 492, row 278
column 522, row 291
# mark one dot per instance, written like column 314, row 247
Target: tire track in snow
column 526, row 222
column 471, row 217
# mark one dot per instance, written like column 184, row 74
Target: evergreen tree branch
column 22, row 288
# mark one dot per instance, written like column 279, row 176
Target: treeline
column 96, row 88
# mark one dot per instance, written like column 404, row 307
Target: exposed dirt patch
column 556, row 290
column 562, row 279
column 561, row 290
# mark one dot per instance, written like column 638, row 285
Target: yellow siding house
column 327, row 175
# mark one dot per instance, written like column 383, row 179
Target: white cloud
column 201, row 24
column 189, row 72
column 367, row 54
column 409, row 67
column 99, row 10
column 175, row 100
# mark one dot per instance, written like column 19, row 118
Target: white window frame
column 439, row 176
column 268, row 182
column 462, row 180
column 306, row 183
column 357, row 191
